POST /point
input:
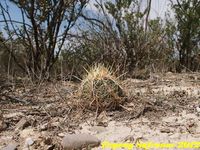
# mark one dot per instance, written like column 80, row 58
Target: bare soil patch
column 164, row 108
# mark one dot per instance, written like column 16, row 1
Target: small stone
column 11, row 146
column 61, row 134
column 50, row 147
column 198, row 109
column 29, row 141
column 44, row 127
column 165, row 130
column 77, row 141
column 22, row 124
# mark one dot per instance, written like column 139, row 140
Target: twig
column 15, row 99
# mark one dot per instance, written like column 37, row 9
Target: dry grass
column 100, row 89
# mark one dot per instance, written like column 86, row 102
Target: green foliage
column 187, row 13
column 143, row 48
column 40, row 32
column 121, row 35
column 120, row 40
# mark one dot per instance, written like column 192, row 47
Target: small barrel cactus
column 101, row 90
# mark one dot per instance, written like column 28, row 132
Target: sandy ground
column 162, row 109
column 177, row 128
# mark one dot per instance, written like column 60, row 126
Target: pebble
column 29, row 141
column 78, row 141
column 11, row 146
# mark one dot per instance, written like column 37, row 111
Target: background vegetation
column 59, row 38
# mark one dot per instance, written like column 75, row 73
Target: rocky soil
column 164, row 108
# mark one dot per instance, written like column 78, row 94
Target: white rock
column 11, row 146
column 198, row 109
column 29, row 141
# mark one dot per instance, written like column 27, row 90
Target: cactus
column 100, row 89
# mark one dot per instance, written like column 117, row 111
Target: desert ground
column 164, row 108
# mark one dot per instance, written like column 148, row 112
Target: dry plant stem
column 46, row 112
column 14, row 99
column 63, row 98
